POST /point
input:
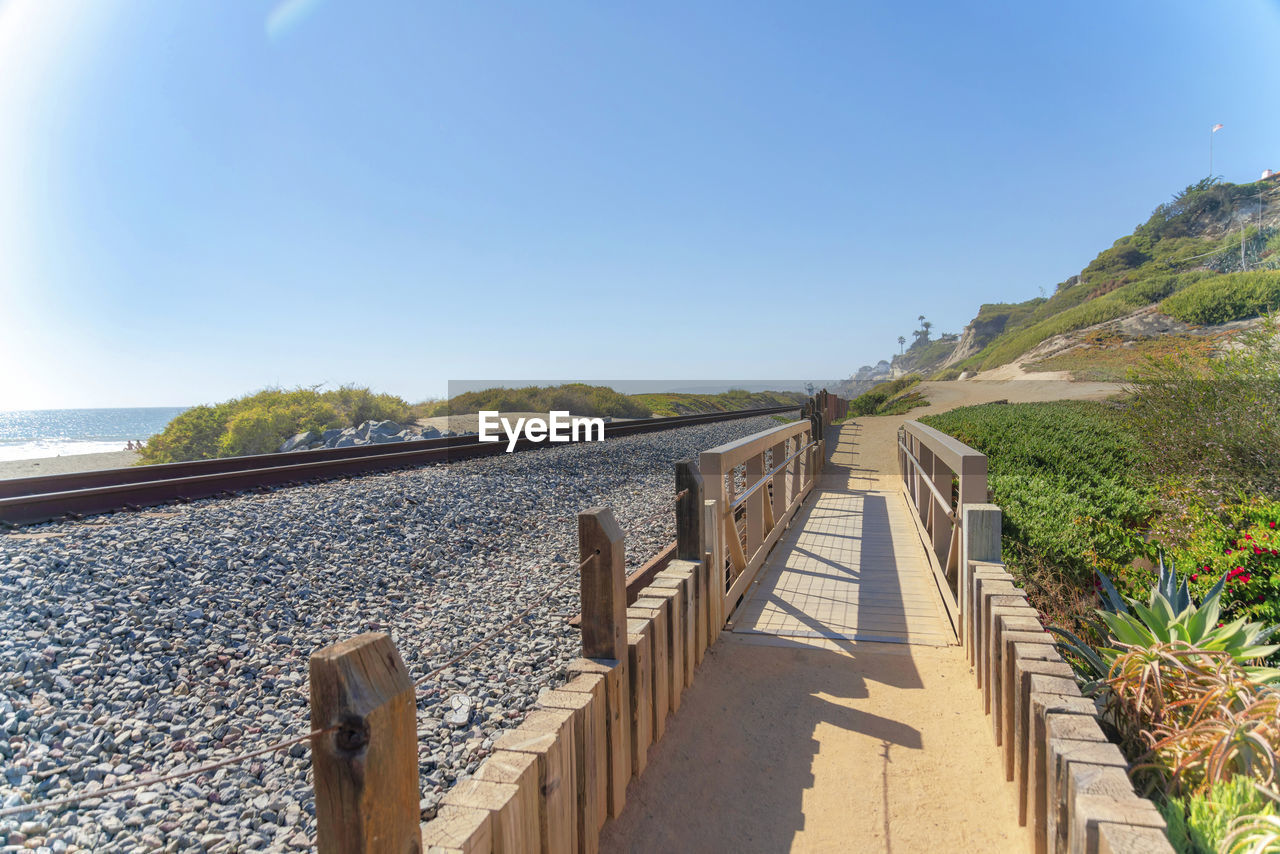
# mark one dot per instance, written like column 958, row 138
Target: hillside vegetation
column 669, row 404
column 1191, row 244
column 578, row 398
column 889, row 398
column 1209, row 256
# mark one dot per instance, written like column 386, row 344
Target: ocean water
column 35, row 433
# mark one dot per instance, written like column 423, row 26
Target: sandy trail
column 66, row 464
column 878, row 434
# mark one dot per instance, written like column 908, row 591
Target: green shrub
column 903, row 403
column 1153, row 289
column 1213, row 424
column 1199, row 824
column 259, row 423
column 951, row 373
column 1240, row 541
column 873, row 401
column 1221, row 299
column 193, row 435
column 1009, row 347
column 354, row 406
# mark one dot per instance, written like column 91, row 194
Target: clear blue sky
column 201, row 198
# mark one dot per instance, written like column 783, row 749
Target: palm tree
column 926, row 326
column 921, row 319
column 902, row 342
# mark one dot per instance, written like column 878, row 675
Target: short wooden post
column 640, row 663
column 516, row 825
column 615, row 690
column 672, row 593
column 604, row 585
column 548, row 734
column 590, row 746
column 684, row 579
column 460, row 830
column 512, row 825
column 604, row 636
column 366, row 770
column 981, row 542
column 655, row 612
column 688, row 511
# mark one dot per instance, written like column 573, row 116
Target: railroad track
column 25, row 501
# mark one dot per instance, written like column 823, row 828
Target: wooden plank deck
column 852, row 567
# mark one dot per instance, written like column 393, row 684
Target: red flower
column 1194, row 576
column 1257, row 550
column 1246, row 578
column 1272, row 524
column 1226, row 551
column 1248, row 536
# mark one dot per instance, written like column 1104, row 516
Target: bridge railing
column 752, row 487
column 941, row 476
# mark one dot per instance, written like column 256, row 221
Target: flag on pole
column 1216, row 128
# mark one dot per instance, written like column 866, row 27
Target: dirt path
column 878, row 434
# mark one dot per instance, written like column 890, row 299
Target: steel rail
column 40, row 499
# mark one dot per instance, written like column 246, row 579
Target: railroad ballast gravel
column 140, row 644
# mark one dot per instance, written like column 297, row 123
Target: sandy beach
column 66, row 464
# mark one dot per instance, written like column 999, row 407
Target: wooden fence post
column 688, row 511
column 604, row 636
column 980, row 542
column 366, row 771
column 604, row 585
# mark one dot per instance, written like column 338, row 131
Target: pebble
column 139, row 644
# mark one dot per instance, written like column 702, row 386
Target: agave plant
column 1169, row 615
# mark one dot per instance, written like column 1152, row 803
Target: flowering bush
column 1242, row 543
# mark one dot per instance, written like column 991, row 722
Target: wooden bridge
column 836, row 661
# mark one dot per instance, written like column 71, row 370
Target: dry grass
column 1113, row 358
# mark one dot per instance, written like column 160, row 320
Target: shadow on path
column 732, row 770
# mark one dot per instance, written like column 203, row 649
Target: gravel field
column 144, row 643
